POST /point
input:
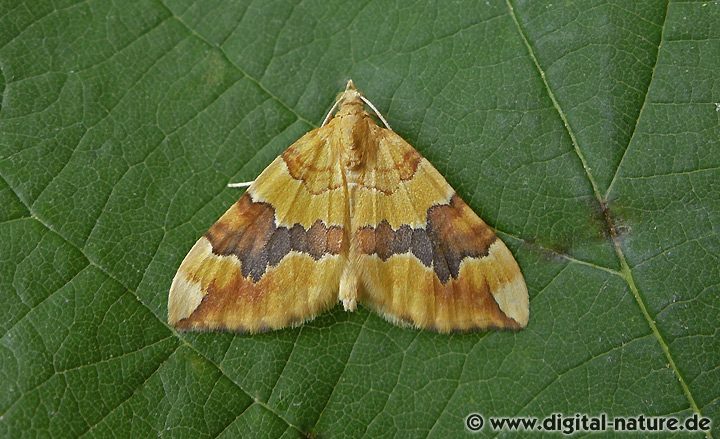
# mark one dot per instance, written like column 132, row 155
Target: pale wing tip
column 184, row 298
column 512, row 298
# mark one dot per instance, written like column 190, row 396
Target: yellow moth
column 349, row 212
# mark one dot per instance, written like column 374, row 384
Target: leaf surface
column 585, row 132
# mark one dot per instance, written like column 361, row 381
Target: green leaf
column 587, row 133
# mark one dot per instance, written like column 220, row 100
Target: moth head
column 352, row 102
column 350, row 95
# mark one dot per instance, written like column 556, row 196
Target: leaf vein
column 642, row 108
column 625, row 270
column 236, row 66
column 181, row 339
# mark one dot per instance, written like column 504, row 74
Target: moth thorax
column 353, row 139
column 352, row 159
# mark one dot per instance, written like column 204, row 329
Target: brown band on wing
column 249, row 232
column 409, row 164
column 399, row 164
column 316, row 166
column 231, row 301
column 313, row 163
column 241, row 295
column 452, row 233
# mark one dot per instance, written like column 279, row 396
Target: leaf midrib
column 625, row 269
column 625, row 272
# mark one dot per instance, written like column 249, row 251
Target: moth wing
column 424, row 258
column 274, row 258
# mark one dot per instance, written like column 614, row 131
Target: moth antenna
column 366, row 101
column 375, row 110
column 350, row 85
column 329, row 113
column 243, row 184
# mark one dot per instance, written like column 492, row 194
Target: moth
column 352, row 213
